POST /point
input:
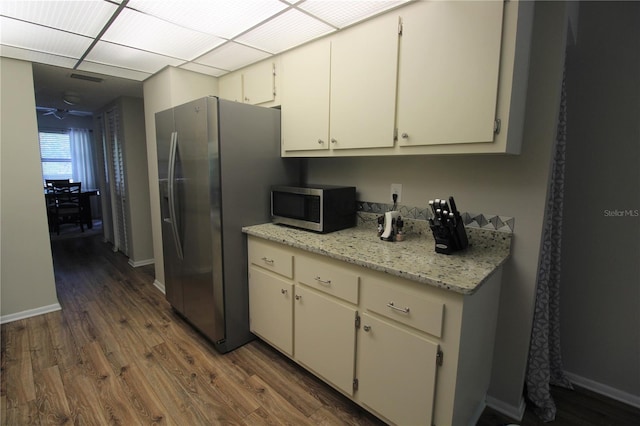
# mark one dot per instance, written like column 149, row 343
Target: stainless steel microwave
column 320, row 208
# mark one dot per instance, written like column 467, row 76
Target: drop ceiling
column 133, row 39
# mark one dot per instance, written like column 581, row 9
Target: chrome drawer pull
column 321, row 281
column 283, row 291
column 266, row 260
column 392, row 306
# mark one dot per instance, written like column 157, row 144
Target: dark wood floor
column 118, row 354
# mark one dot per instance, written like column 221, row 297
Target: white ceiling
column 133, row 39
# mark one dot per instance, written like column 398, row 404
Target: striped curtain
column 544, row 367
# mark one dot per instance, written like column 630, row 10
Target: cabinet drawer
column 422, row 313
column 328, row 278
column 270, row 257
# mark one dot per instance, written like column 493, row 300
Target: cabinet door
column 448, row 72
column 271, row 309
column 305, row 97
column 363, row 85
column 396, row 372
column 259, row 83
column 230, row 87
column 325, row 337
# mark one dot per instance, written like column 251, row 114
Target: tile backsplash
column 471, row 220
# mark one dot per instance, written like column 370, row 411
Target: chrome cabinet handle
column 323, row 282
column 366, row 328
column 392, row 306
column 283, row 291
column 298, row 297
column 405, row 136
column 267, row 260
column 320, row 141
column 333, row 140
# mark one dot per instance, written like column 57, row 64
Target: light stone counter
column 414, row 258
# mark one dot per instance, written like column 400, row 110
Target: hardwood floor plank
column 23, row 414
column 271, row 372
column 108, row 338
column 277, row 405
column 43, row 354
column 143, row 399
column 51, row 399
column 202, row 392
column 116, row 408
column 82, row 397
column 235, row 395
column 67, row 352
column 20, row 388
column 348, row 412
column 176, row 400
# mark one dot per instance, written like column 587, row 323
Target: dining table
column 85, row 204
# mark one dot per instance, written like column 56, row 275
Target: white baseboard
column 157, row 284
column 606, row 390
column 30, row 313
column 139, row 263
column 516, row 413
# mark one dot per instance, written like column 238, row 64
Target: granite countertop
column 414, row 258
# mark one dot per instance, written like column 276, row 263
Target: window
column 55, row 154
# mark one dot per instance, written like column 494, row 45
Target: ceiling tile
column 38, row 57
column 232, row 56
column 285, row 31
column 80, row 17
column 342, row 13
column 145, row 32
column 127, row 57
column 223, row 18
column 203, row 69
column 42, row 39
column 113, row 71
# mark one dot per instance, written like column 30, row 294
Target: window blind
column 55, row 154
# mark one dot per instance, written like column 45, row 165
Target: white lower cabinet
column 410, row 353
column 325, row 337
column 271, row 308
column 396, row 372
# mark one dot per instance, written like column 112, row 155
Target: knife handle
column 452, row 204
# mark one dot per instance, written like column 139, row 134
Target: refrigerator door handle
column 173, row 148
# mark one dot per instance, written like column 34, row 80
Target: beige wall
column 136, row 172
column 600, row 276
column 27, row 283
column 168, row 88
column 493, row 184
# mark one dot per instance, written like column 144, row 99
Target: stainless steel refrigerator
column 216, row 162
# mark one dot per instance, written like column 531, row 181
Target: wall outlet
column 396, row 188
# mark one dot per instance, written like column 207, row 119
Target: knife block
column 449, row 239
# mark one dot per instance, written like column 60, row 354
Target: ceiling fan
column 61, row 113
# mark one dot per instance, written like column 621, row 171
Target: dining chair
column 67, row 207
column 50, row 183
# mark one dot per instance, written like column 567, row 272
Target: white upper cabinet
column 255, row 84
column 305, row 97
column 448, row 73
column 454, row 82
column 230, row 87
column 339, row 94
column 258, row 83
column 363, row 85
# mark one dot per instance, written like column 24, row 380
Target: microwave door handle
column 172, row 194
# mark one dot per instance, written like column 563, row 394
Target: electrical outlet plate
column 396, row 188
